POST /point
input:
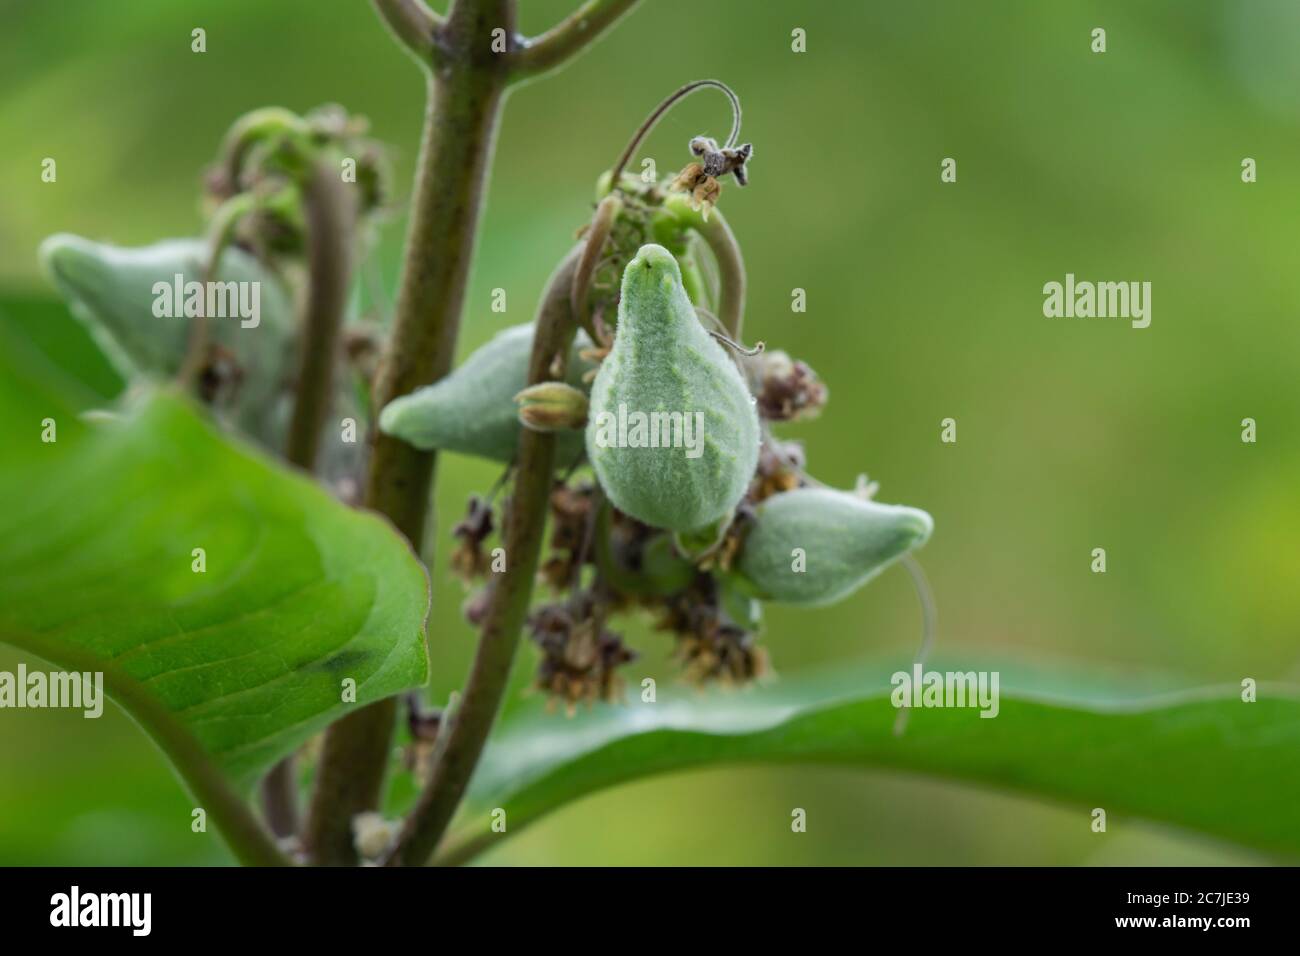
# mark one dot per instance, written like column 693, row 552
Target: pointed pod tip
column 915, row 524
column 391, row 415
column 652, row 257
column 67, row 257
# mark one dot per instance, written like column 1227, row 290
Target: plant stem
column 593, row 247
column 330, row 210
column 511, row 592
column 717, row 235
column 459, row 129
column 466, row 83
column 349, row 780
column 280, row 797
column 567, row 37
column 464, row 100
column 414, row 26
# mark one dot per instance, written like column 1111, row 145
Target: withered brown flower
column 704, row 189
column 572, row 521
column 710, row 646
column 579, row 655
column 780, row 468
column 467, row 559
column 790, row 390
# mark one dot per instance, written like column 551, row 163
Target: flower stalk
column 467, row 74
column 511, row 592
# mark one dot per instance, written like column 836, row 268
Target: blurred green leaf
column 232, row 667
column 47, row 325
column 1199, row 759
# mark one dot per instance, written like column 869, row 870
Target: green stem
column 511, row 592
column 464, row 101
column 226, row 809
column 464, row 105
column 280, row 797
column 330, row 210
column 717, row 235
column 566, row 38
column 592, row 249
column 349, row 780
column 467, row 80
column 414, row 26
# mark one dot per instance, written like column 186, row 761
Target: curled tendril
column 650, row 121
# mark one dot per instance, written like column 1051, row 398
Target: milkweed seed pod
column 814, row 546
column 141, row 304
column 473, row 410
column 671, row 431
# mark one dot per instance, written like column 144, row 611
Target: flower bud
column 552, row 406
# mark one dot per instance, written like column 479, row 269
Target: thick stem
column 511, row 592
column 459, row 131
column 464, row 103
column 349, row 780
column 280, row 798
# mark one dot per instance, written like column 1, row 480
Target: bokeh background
column 924, row 302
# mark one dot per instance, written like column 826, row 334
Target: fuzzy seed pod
column 136, row 310
column 112, row 290
column 472, row 410
column 814, row 546
column 672, row 432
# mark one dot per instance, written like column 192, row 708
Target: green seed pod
column 814, row 546
column 117, row 292
column 671, row 432
column 142, row 316
column 472, row 410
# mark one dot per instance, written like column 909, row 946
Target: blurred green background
column 924, row 302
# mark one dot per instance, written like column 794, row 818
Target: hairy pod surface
column 672, row 431
column 112, row 290
column 814, row 546
column 472, row 411
column 141, row 315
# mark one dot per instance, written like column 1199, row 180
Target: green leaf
column 1204, row 760
column 48, row 328
column 229, row 669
